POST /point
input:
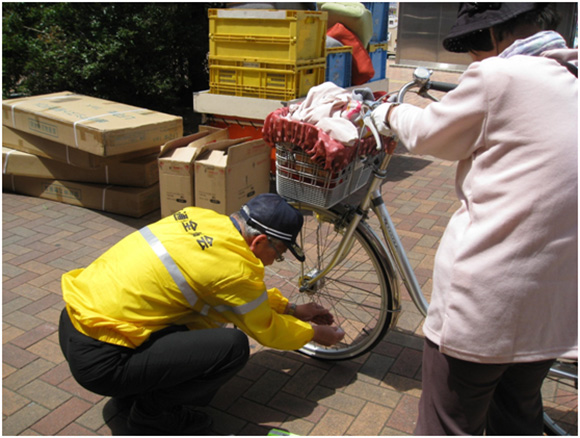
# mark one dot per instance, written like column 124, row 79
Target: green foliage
column 145, row 54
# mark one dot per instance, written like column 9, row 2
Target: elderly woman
column 505, row 284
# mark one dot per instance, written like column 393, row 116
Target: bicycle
column 560, row 396
column 349, row 268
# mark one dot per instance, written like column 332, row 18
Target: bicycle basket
column 301, row 179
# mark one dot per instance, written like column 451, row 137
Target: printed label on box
column 61, row 192
column 43, row 128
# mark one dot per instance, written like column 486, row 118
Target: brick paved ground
column 376, row 394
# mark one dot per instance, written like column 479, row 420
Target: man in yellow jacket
column 145, row 319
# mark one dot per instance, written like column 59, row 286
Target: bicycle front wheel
column 360, row 291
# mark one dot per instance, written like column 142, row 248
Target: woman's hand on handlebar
column 379, row 119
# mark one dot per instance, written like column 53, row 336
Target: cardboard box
column 25, row 142
column 176, row 168
column 128, row 201
column 226, row 178
column 94, row 125
column 140, row 172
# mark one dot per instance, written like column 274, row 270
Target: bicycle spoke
column 355, row 291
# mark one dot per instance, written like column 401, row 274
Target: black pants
column 467, row 398
column 176, row 366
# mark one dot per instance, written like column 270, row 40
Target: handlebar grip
column 442, row 86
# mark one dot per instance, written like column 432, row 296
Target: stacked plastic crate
column 267, row 54
column 379, row 42
column 339, row 65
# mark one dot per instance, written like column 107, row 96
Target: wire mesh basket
column 301, row 179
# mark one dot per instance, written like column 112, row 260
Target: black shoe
column 180, row 420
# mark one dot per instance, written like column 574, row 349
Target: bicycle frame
column 393, row 248
column 374, row 200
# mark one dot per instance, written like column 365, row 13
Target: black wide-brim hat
column 473, row 17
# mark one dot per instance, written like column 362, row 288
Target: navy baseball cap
column 273, row 216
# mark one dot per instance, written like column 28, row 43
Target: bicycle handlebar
column 441, row 86
column 422, row 81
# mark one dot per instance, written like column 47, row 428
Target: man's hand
column 314, row 312
column 326, row 335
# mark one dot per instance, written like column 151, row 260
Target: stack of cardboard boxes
column 210, row 169
column 85, row 151
column 121, row 159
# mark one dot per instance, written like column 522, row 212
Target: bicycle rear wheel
column 359, row 291
column 560, row 398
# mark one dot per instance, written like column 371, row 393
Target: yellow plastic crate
column 265, row 80
column 267, row 35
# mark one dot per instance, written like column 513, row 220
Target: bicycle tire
column 360, row 291
column 560, row 399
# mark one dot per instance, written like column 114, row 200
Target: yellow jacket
column 191, row 268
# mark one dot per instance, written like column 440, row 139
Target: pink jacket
column 505, row 286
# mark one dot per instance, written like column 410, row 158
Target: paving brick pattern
column 376, row 394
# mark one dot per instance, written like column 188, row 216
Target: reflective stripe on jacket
column 192, row 268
